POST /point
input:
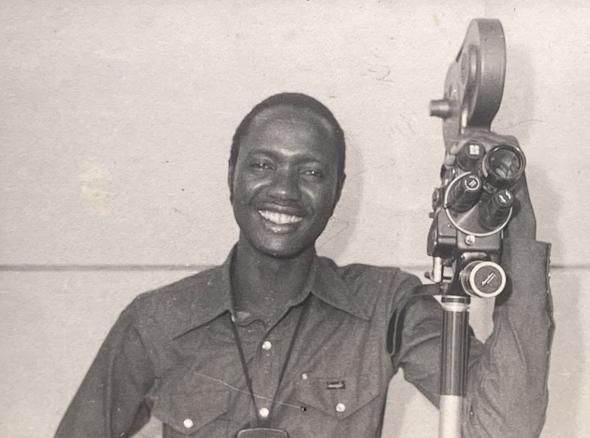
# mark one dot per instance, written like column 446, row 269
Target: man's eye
column 313, row 173
column 261, row 165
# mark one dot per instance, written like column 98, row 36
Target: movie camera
column 473, row 204
column 475, row 200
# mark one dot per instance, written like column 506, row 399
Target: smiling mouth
column 279, row 218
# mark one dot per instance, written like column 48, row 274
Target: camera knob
column 441, row 108
column 483, row 279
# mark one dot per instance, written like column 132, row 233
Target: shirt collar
column 212, row 292
column 329, row 286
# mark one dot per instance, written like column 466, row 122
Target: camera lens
column 465, row 193
column 469, row 156
column 496, row 209
column 502, row 166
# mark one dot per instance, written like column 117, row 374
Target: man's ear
column 230, row 180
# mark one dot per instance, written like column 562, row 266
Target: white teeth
column 279, row 218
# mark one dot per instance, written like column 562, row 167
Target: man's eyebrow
column 260, row 152
column 273, row 153
column 266, row 153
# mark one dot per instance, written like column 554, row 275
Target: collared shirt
column 172, row 354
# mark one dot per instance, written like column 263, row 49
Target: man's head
column 296, row 101
column 286, row 172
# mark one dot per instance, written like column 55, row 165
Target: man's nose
column 285, row 185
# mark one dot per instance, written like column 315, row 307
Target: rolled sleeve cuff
column 527, row 265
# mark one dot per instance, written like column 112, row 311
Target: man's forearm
column 507, row 387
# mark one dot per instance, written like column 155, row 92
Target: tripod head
column 474, row 202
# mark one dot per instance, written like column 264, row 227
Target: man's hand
column 523, row 223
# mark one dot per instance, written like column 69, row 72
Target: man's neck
column 262, row 285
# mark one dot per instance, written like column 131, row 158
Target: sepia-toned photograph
column 294, row 219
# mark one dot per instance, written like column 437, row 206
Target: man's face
column 285, row 183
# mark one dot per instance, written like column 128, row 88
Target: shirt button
column 188, row 423
column 264, row 412
column 304, row 376
column 266, row 345
column 340, row 407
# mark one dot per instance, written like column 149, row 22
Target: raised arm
column 507, row 375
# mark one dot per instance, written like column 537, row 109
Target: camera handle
column 472, row 95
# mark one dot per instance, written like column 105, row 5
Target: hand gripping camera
column 474, row 202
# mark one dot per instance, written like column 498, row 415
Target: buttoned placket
column 264, row 369
column 265, row 366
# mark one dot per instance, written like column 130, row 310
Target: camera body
column 475, row 199
column 470, row 209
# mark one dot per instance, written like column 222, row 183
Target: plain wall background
column 115, row 125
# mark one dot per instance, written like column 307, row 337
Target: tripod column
column 454, row 354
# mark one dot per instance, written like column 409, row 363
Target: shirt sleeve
column 110, row 400
column 507, row 375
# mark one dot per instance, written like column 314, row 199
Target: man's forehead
column 291, row 117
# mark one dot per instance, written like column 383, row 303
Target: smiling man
column 284, row 182
column 280, row 342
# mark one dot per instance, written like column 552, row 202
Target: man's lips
column 279, row 218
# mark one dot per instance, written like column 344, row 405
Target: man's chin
column 284, row 250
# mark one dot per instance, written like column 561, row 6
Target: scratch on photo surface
column 235, row 388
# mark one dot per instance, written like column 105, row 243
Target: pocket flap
column 191, row 402
column 338, row 397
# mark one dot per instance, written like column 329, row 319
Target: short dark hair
column 292, row 100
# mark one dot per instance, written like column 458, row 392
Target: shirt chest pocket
column 192, row 405
column 337, row 397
